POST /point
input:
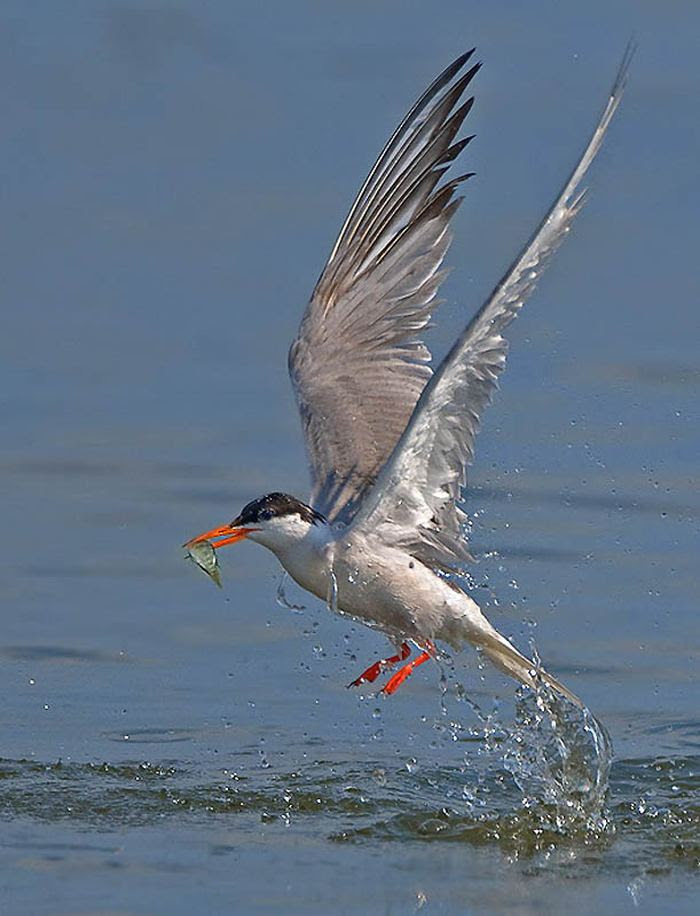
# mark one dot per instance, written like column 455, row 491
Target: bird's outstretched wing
column 414, row 502
column 358, row 364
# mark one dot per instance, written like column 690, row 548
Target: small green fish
column 204, row 555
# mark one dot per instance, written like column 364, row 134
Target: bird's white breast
column 380, row 586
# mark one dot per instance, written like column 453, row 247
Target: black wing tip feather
column 452, row 152
column 465, row 79
column 623, row 71
column 472, row 71
column 456, row 119
column 460, row 61
column 451, row 70
column 442, row 79
column 442, row 204
column 465, row 108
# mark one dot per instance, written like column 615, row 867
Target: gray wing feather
column 414, row 502
column 358, row 364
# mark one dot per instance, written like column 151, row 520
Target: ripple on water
column 653, row 820
column 151, row 735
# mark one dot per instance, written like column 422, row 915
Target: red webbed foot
column 372, row 673
column 396, row 680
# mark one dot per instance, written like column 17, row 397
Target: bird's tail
column 509, row 660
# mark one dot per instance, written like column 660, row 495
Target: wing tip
column 622, row 76
column 465, row 56
column 458, row 64
column 451, row 70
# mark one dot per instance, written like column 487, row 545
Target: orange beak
column 229, row 534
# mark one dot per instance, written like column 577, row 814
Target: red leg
column 396, row 680
column 373, row 672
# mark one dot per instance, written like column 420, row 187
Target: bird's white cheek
column 268, row 539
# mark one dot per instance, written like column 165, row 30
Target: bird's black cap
column 275, row 505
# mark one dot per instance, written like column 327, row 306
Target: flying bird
column 382, row 538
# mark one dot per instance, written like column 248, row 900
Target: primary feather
column 358, row 364
column 414, row 502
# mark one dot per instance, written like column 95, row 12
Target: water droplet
column 332, row 599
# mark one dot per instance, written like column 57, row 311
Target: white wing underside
column 358, row 365
column 414, row 502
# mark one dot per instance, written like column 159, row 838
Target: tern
column 382, row 538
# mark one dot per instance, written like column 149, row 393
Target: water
column 173, row 177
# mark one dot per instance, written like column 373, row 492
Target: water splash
column 559, row 757
column 332, row 597
column 555, row 756
column 281, row 595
